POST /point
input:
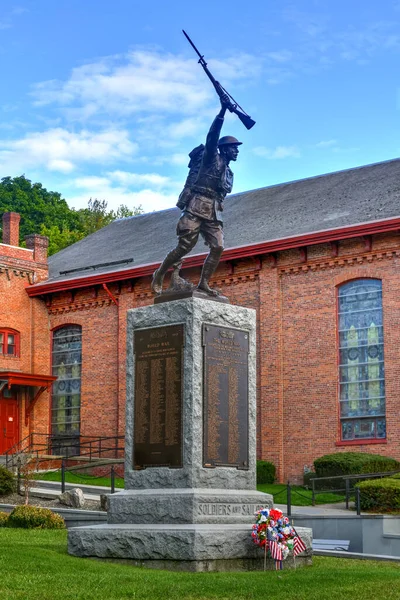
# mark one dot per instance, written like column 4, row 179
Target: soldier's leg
column 188, row 229
column 213, row 234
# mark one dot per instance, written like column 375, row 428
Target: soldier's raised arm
column 215, row 130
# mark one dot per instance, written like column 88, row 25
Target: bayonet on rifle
column 232, row 106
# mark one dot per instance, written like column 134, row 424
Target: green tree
column 60, row 239
column 49, row 214
column 36, row 205
column 96, row 215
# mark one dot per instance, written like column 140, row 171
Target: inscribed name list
column 226, row 406
column 158, row 397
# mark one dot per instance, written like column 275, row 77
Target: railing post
column 313, row 492
column 358, row 501
column 62, row 476
column 112, row 480
column 347, row 483
column 99, row 447
column 18, row 475
column 289, row 499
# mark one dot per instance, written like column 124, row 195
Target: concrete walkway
column 338, row 509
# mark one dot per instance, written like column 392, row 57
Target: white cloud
column 277, row 153
column 138, row 179
column 280, row 56
column 61, row 150
column 124, row 187
column 179, row 159
column 186, row 128
column 91, row 181
column 7, row 21
column 63, row 166
column 326, row 144
column 116, row 195
column 142, row 81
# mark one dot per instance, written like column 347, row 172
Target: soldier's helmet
column 229, row 139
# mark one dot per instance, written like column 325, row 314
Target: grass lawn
column 80, row 479
column 300, row 496
column 34, row 565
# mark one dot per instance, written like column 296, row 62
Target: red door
column 8, row 423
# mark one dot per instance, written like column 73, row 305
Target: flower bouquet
column 273, row 532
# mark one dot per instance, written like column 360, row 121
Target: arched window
column 66, row 395
column 361, row 363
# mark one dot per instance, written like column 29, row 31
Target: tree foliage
column 47, row 213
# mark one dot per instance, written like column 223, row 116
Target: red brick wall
column 297, row 345
column 29, row 317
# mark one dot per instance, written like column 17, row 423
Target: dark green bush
column 3, row 519
column 265, row 471
column 348, row 463
column 33, row 517
column 7, row 481
column 380, row 495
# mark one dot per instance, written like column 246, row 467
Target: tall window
column 66, row 396
column 361, row 369
column 9, row 342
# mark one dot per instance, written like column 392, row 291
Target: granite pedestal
column 196, row 512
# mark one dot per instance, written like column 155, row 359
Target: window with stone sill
column 361, row 361
column 9, row 343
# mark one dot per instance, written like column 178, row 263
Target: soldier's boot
column 172, row 257
column 210, row 264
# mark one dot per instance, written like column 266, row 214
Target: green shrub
column 3, row 519
column 380, row 495
column 265, row 472
column 7, row 481
column 348, row 463
column 33, row 517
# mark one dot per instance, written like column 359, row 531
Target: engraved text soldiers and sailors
column 158, row 397
column 225, row 397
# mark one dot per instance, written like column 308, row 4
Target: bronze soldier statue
column 202, row 204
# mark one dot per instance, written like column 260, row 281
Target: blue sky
column 105, row 99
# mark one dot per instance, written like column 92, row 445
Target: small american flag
column 298, row 545
column 274, row 548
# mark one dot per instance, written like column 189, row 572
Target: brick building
column 24, row 337
column 319, row 261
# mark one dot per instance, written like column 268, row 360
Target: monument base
column 193, row 547
column 186, row 505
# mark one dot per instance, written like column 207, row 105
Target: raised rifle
column 232, row 106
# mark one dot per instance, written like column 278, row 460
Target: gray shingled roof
column 350, row 197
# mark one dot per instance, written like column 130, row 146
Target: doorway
column 9, row 421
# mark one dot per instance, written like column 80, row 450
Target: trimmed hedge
column 7, row 481
column 3, row 519
column 349, row 463
column 33, row 517
column 380, row 495
column 265, row 471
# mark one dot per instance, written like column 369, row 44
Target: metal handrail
column 347, row 479
column 93, row 446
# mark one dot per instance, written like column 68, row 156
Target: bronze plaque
column 158, row 397
column 226, row 397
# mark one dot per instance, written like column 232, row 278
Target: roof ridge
column 275, row 185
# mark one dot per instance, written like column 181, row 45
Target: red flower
column 275, row 514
